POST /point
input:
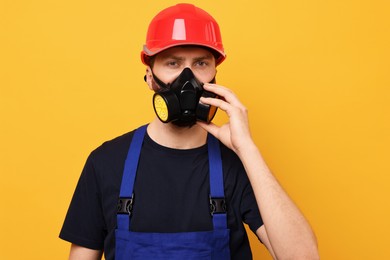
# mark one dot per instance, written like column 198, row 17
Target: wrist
column 246, row 149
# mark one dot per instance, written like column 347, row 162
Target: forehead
column 185, row 52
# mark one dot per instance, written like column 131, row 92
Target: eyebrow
column 205, row 57
column 173, row 57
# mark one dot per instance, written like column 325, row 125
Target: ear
column 149, row 77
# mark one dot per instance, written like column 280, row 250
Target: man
column 181, row 187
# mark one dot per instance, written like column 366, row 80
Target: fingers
column 230, row 133
column 229, row 108
column 216, row 102
column 225, row 93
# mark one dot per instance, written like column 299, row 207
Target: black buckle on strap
column 217, row 206
column 125, row 205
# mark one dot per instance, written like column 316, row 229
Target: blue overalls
column 212, row 244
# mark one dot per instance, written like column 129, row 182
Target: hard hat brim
column 146, row 53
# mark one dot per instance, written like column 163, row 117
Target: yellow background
column 313, row 74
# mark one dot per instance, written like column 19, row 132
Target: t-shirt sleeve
column 239, row 188
column 84, row 223
column 249, row 209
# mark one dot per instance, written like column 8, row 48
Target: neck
column 172, row 136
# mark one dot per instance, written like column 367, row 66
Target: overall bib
column 212, row 244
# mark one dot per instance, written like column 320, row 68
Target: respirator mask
column 178, row 102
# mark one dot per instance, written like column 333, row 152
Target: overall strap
column 126, row 196
column 217, row 195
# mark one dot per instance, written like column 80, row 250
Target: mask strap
column 158, row 81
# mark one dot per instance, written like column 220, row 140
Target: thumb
column 211, row 128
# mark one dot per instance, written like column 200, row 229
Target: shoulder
column 110, row 154
column 113, row 147
column 230, row 160
column 227, row 153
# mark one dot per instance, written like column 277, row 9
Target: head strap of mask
column 178, row 101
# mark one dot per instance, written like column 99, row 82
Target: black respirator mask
column 178, row 102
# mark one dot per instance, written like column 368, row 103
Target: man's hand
column 235, row 134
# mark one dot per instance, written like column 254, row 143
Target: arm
column 289, row 234
column 262, row 235
column 83, row 253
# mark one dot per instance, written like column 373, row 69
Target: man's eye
column 172, row 63
column 201, row 63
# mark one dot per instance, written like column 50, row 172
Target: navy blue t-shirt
column 171, row 195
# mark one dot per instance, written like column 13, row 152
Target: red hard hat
column 182, row 24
